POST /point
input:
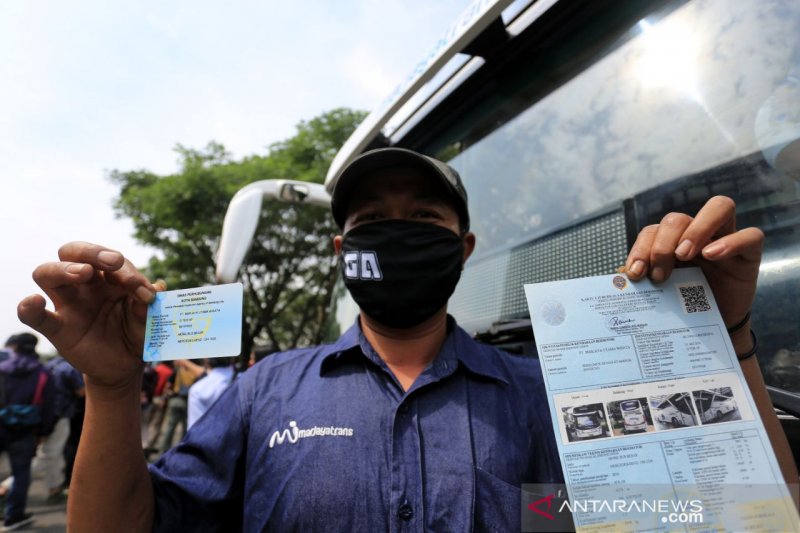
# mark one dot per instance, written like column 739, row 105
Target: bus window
column 589, row 138
column 576, row 130
column 585, row 422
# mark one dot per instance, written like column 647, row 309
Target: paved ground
column 47, row 518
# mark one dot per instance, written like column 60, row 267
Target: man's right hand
column 100, row 304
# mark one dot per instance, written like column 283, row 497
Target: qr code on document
column 694, row 298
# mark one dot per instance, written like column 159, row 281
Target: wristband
column 752, row 351
column 739, row 325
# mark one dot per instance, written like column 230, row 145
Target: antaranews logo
column 600, row 510
column 549, row 501
column 293, row 433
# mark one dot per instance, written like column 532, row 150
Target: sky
column 87, row 87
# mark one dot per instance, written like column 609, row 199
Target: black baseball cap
column 348, row 178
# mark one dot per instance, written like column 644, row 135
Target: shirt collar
column 458, row 346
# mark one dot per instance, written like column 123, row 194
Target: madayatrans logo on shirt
column 294, row 433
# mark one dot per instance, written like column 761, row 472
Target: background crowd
column 42, row 409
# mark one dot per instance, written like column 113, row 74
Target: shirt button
column 405, row 512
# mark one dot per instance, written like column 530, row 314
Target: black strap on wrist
column 739, row 325
column 752, row 351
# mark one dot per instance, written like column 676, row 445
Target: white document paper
column 650, row 408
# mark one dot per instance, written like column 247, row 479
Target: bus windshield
column 622, row 119
column 586, row 422
column 620, row 126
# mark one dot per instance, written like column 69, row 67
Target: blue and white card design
column 194, row 323
column 651, row 410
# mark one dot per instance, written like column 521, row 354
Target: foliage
column 289, row 271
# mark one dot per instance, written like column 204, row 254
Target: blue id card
column 194, row 323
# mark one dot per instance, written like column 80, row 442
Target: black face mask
column 399, row 272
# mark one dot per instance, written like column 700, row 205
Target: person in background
column 258, row 353
column 8, row 348
column 6, row 352
column 220, row 373
column 74, row 439
column 50, row 459
column 68, row 388
column 164, row 371
column 147, row 397
column 27, row 414
column 186, row 373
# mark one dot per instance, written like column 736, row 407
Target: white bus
column 574, row 124
column 675, row 411
column 713, row 405
column 633, row 418
column 584, row 422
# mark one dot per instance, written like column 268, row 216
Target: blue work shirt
column 326, row 439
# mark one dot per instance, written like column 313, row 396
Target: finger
column 58, row 280
column 31, row 312
column 747, row 244
column 118, row 270
column 160, row 285
column 139, row 310
column 133, row 281
column 662, row 252
column 99, row 257
column 716, row 218
column 639, row 257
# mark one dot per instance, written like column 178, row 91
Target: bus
column 584, row 422
column 675, row 411
column 633, row 419
column 574, row 124
column 712, row 405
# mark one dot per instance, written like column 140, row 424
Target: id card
column 194, row 323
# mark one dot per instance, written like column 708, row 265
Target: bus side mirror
column 294, row 192
column 244, row 211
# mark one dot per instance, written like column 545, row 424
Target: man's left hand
column 729, row 258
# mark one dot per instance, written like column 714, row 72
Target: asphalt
column 48, row 518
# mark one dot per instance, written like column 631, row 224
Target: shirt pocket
column 498, row 504
column 502, row 506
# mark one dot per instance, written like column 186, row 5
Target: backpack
column 22, row 415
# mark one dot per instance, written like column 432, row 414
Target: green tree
column 289, row 270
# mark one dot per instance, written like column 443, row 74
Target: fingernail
column 637, row 268
column 684, row 248
column 713, row 249
column 108, row 258
column 657, row 274
column 75, row 269
column 145, row 294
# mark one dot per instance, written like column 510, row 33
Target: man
column 186, row 373
column 27, row 413
column 219, row 375
column 404, row 423
column 69, row 388
column 155, row 419
column 8, row 348
column 68, row 385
